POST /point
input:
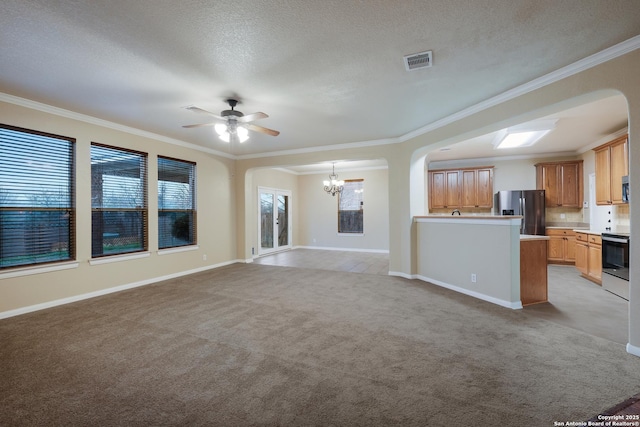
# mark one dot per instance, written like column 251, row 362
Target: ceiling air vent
column 418, row 60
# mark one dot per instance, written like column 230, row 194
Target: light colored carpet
column 264, row 345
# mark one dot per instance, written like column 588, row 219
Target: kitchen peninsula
column 480, row 255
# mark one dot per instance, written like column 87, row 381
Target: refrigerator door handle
column 522, row 212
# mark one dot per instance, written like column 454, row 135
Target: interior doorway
column 274, row 220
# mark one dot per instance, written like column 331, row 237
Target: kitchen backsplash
column 618, row 214
column 565, row 215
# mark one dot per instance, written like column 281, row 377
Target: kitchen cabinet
column 533, row 270
column 561, row 246
column 612, row 163
column 461, row 188
column 589, row 256
column 563, row 183
column 477, row 188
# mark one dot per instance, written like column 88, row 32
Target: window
column 37, row 214
column 176, row 203
column 350, row 207
column 118, row 201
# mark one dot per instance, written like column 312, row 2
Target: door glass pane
column 266, row 220
column 283, row 220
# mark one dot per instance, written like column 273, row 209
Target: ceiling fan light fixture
column 221, row 129
column 243, row 133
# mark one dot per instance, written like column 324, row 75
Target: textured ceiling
column 326, row 72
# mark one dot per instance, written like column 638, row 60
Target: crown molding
column 604, row 140
column 479, row 160
column 584, row 64
column 38, row 106
column 362, row 144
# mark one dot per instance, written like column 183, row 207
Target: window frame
column 143, row 209
column 346, row 186
column 67, row 212
column 192, row 210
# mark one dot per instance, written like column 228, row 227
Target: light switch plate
column 585, row 204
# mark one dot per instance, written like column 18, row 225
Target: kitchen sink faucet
column 456, row 211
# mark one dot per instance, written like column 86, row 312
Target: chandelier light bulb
column 333, row 186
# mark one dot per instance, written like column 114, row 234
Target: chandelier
column 333, row 185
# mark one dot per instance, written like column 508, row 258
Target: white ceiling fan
column 233, row 125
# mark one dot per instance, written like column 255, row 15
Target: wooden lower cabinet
column 561, row 246
column 582, row 257
column 533, row 271
column 589, row 256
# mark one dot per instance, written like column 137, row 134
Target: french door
column 274, row 220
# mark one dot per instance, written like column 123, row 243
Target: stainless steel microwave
column 625, row 188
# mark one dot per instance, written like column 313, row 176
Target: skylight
column 523, row 135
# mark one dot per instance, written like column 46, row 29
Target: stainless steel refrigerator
column 527, row 203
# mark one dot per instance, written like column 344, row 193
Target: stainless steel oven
column 615, row 263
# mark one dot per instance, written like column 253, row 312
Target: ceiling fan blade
column 199, row 125
column 261, row 129
column 251, row 117
column 201, row 111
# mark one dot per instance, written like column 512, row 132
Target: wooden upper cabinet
column 461, row 188
column 619, row 168
column 453, row 189
column 484, row 188
column 571, row 184
column 469, row 190
column 437, row 189
column 477, row 188
column 612, row 163
column 562, row 183
column 603, row 173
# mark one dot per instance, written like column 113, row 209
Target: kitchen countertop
column 448, row 216
column 524, row 237
column 569, row 227
column 588, row 231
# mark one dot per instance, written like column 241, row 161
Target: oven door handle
column 614, row 239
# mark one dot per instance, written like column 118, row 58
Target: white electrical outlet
column 204, row 257
column 473, row 278
column 562, row 216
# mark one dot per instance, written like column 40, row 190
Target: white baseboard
column 632, row 349
column 403, row 275
column 503, row 303
column 75, row 298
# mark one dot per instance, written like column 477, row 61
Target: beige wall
column 215, row 205
column 277, row 180
column 451, row 250
column 319, row 213
column 228, row 197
